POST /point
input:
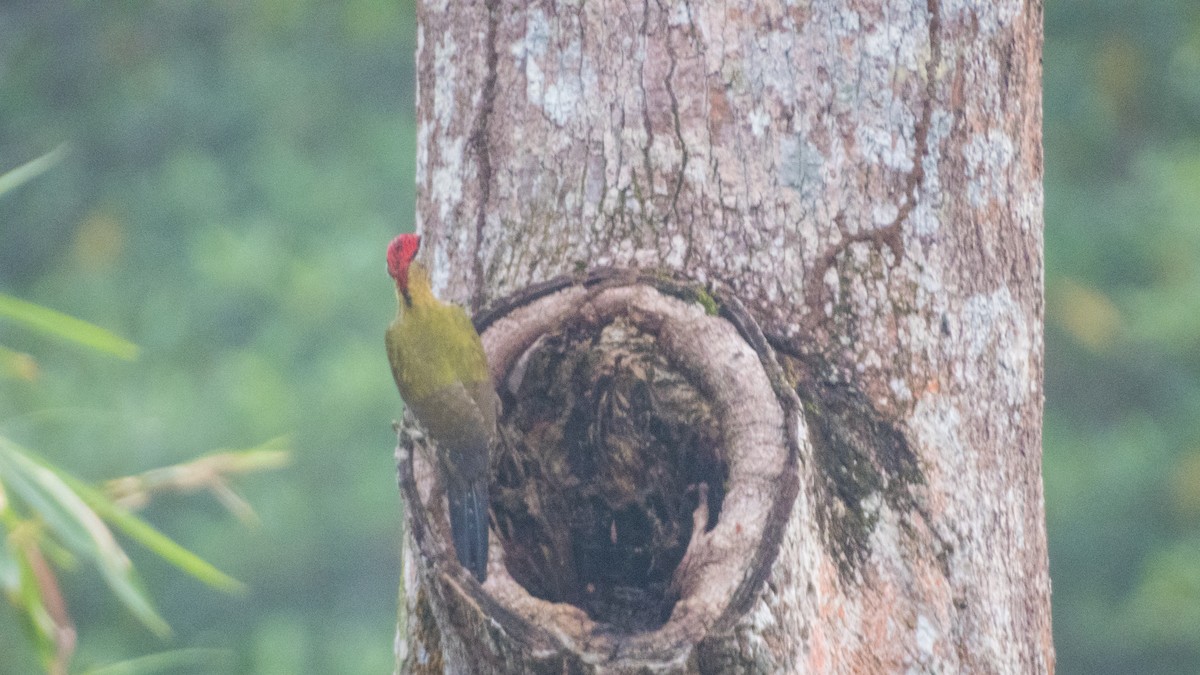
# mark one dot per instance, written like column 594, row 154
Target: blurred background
column 233, row 172
column 1122, row 423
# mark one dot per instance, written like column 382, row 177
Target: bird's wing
column 468, row 356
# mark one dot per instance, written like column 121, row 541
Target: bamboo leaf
column 81, row 529
column 142, row 532
column 27, row 598
column 67, row 327
column 22, row 482
column 169, row 661
column 14, row 178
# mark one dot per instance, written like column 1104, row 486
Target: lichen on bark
column 863, row 462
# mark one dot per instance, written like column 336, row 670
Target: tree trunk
column 844, row 196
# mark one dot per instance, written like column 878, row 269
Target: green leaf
column 28, row 600
column 35, row 167
column 66, row 327
column 154, row 540
column 80, row 528
column 169, row 661
column 25, row 481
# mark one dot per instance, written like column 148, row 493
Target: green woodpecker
column 442, row 374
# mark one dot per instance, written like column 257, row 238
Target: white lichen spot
column 439, row 273
column 871, row 504
column 759, row 121
column 423, row 133
column 530, row 49
column 884, row 214
column 831, row 281
column 887, row 145
column 447, row 184
column 898, row 41
column 900, row 390
column 535, row 82
column 800, row 166
column 1029, row 206
column 738, row 260
column 941, row 123
column 937, row 427
column 560, row 94
column 987, row 159
column 870, row 360
column 563, row 98
column 697, row 174
column 445, row 80
column 926, row 635
column 998, row 345
column 991, row 17
column 929, row 280
column 624, row 250
column 676, row 252
column 665, row 154
column 924, row 220
column 845, row 21
column 536, row 39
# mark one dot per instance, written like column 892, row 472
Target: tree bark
column 864, row 178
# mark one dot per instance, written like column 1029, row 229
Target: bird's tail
column 469, row 524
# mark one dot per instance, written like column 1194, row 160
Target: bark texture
column 865, row 177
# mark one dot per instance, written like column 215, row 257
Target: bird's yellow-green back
column 435, row 352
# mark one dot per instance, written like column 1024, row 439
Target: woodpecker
column 442, row 373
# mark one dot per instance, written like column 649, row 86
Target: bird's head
column 400, row 255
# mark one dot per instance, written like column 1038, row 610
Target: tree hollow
column 646, row 468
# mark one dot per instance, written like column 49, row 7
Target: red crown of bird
column 400, row 255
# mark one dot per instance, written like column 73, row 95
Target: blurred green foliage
column 234, row 172
column 1122, row 428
